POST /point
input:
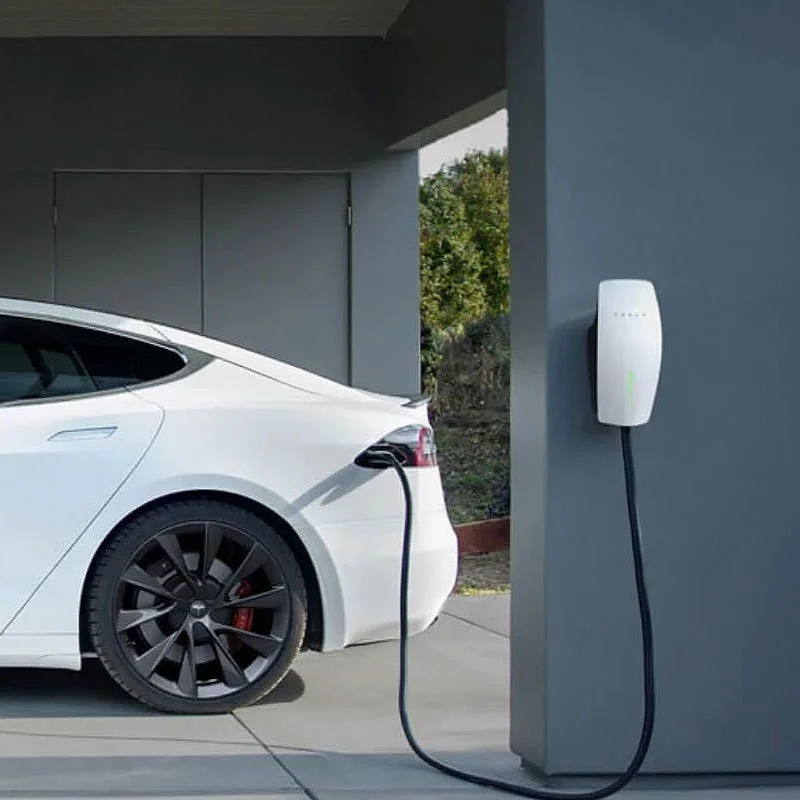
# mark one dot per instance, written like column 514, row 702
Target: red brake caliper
column 243, row 617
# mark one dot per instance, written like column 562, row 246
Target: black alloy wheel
column 197, row 607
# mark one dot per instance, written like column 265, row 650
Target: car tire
column 180, row 618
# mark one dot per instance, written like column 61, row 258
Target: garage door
column 287, row 235
column 256, row 260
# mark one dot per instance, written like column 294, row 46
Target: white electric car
column 192, row 512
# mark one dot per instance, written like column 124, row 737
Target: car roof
column 81, row 316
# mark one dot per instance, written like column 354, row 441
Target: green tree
column 482, row 185
column 450, row 263
column 464, row 252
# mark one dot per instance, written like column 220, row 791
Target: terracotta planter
column 486, row 536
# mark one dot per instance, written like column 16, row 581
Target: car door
column 66, row 447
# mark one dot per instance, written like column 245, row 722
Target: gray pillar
column 668, row 150
column 385, row 275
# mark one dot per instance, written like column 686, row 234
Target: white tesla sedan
column 192, row 512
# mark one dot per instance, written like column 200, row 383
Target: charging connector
column 385, row 457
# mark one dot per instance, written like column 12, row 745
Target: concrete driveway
column 330, row 732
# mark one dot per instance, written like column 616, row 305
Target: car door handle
column 82, row 434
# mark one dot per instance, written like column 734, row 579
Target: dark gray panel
column 443, row 57
column 131, row 244
column 275, row 267
column 385, row 275
column 670, row 154
column 196, row 104
column 529, row 335
column 187, row 18
column 26, row 235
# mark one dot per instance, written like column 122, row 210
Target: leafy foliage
column 464, row 250
column 470, row 410
column 464, row 262
column 450, row 263
column 475, row 467
column 473, row 371
column 482, row 185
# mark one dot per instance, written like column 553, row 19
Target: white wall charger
column 626, row 349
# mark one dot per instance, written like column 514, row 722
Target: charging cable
column 388, row 458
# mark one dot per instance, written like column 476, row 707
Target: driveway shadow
column 130, row 776
column 249, row 773
column 42, row 693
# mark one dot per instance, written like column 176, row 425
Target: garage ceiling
column 39, row 18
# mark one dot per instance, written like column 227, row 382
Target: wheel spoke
column 252, row 561
column 150, row 659
column 232, row 673
column 129, row 618
column 176, row 605
column 267, row 645
column 212, row 539
column 275, row 598
column 171, row 546
column 187, row 678
column 136, row 576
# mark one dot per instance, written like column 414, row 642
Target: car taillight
column 425, row 450
column 412, row 446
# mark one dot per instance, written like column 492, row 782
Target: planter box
column 486, row 536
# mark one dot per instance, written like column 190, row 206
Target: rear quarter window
column 115, row 361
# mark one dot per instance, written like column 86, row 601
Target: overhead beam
column 99, row 18
column 446, row 68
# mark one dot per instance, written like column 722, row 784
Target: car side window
column 36, row 363
column 40, row 359
column 18, row 376
column 115, row 361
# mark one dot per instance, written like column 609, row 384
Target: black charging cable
column 388, row 458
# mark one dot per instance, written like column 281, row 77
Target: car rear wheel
column 197, row 607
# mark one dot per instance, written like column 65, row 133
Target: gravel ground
column 484, row 574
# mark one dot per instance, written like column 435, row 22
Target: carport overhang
column 134, row 18
column 440, row 64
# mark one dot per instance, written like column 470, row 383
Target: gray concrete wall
column 669, row 151
column 26, row 234
column 445, row 67
column 209, row 105
column 385, row 340
column 529, row 388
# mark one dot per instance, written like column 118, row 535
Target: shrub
column 470, row 408
column 465, row 345
column 470, row 373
